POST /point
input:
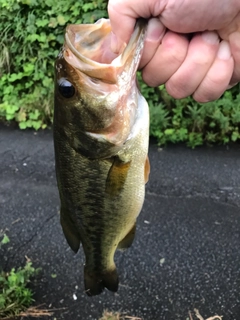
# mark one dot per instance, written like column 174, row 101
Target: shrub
column 30, row 38
column 187, row 121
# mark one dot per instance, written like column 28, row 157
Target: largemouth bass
column 101, row 132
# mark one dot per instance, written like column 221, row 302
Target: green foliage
column 4, row 240
column 188, row 121
column 15, row 296
column 31, row 35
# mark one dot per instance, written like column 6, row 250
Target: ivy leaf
column 28, row 68
column 169, row 132
column 42, row 22
column 61, row 20
column 23, row 125
column 34, row 115
column 88, row 6
column 5, row 239
column 235, row 136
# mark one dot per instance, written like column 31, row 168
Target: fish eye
column 66, row 88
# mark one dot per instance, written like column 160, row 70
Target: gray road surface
column 186, row 253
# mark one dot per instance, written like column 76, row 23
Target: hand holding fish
column 192, row 46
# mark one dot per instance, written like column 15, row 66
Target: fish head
column 95, row 89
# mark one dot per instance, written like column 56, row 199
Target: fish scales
column 101, row 144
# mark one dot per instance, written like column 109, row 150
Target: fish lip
column 76, row 52
column 120, row 60
column 81, row 57
column 136, row 38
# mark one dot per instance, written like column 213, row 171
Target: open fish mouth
column 87, row 48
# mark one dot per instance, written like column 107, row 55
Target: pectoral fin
column 128, row 240
column 70, row 231
column 117, row 176
column 147, row 169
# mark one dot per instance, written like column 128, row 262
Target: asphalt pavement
column 186, row 253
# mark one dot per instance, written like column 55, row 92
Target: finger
column 218, row 77
column 154, row 35
column 123, row 15
column 167, row 59
column 234, row 40
column 202, row 51
column 230, row 86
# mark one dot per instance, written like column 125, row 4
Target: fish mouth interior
column 91, row 43
column 88, row 49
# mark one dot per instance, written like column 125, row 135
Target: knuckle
column 114, row 6
column 175, row 47
column 176, row 89
column 150, row 79
column 206, row 95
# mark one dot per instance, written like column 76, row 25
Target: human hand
column 192, row 46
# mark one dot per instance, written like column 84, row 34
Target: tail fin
column 96, row 282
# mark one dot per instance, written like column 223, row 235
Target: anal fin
column 127, row 241
column 70, row 231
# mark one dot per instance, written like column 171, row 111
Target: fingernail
column 155, row 29
column 210, row 37
column 114, row 43
column 230, row 86
column 224, row 52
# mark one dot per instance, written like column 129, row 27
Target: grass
column 4, row 59
column 34, row 312
column 199, row 317
column 15, row 296
column 108, row 315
